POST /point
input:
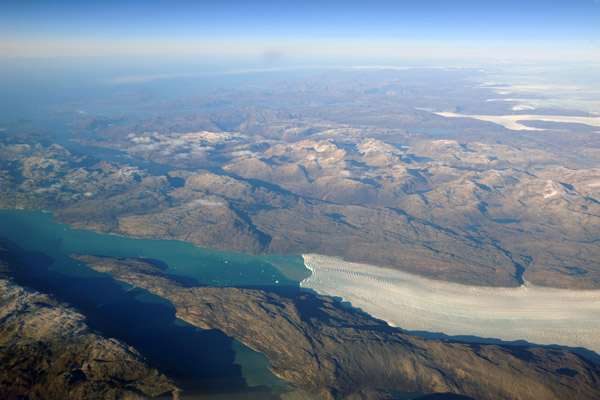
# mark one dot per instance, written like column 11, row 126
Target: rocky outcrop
column 335, row 352
column 47, row 351
column 471, row 212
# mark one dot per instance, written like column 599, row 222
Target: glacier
column 538, row 315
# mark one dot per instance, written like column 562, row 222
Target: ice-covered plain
column 513, row 121
column 539, row 315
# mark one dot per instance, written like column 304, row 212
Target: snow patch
column 550, row 190
column 206, row 203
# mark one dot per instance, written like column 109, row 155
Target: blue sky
column 505, row 28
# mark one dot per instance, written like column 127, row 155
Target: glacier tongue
column 536, row 314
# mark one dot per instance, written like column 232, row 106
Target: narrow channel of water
column 217, row 363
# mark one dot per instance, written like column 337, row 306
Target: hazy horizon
column 272, row 32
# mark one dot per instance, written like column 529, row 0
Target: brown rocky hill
column 335, row 352
column 47, row 351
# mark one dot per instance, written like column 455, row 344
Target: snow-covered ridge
column 536, row 314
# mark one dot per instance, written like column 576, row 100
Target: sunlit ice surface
column 539, row 315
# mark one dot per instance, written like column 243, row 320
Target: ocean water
column 50, row 93
column 35, row 231
column 221, row 364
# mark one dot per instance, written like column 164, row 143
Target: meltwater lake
column 222, row 366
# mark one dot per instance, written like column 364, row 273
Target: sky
column 562, row 30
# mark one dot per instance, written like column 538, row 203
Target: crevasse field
column 536, row 314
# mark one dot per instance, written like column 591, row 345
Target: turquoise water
column 54, row 92
column 35, row 231
column 220, row 365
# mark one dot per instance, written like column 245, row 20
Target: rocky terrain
column 427, row 171
column 477, row 203
column 335, row 352
column 47, row 351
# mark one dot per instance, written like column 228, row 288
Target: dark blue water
column 53, row 92
column 213, row 362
